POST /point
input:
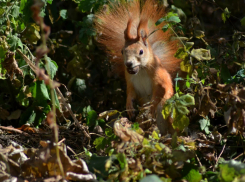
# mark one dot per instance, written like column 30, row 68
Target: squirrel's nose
column 129, row 64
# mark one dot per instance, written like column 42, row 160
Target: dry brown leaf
column 11, row 65
column 125, row 133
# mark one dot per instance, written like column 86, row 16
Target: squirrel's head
column 137, row 51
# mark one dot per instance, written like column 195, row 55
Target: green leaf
column 204, row 123
column 160, row 21
column 87, row 30
column 109, row 132
column 14, row 42
column 199, row 34
column 97, row 163
column 15, row 11
column 174, row 19
column 182, row 109
column 122, row 160
column 225, row 73
column 50, row 1
column 223, row 17
column 243, row 21
column 22, row 96
column 155, row 135
column 165, row 27
column 87, row 153
column 25, row 6
column 225, row 14
column 28, row 116
column 63, row 13
column 151, row 178
column 135, row 126
column 189, row 45
column 167, row 110
column 99, row 143
column 179, row 121
column 187, row 100
column 53, row 67
column 174, row 140
column 57, row 103
column 39, row 91
column 186, row 66
column 91, row 118
column 181, row 53
column 193, row 176
column 79, row 86
column 227, row 174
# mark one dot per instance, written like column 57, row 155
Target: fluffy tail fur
column 112, row 22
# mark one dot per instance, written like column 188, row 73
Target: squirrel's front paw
column 153, row 111
column 130, row 110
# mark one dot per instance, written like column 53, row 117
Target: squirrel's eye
column 141, row 52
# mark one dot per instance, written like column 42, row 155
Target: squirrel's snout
column 129, row 64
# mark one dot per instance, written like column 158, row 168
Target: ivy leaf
column 91, row 118
column 50, row 1
column 187, row 100
column 243, row 21
column 28, row 116
column 179, row 121
column 204, row 124
column 167, row 109
column 223, row 17
column 63, row 13
column 25, row 6
column 199, row 34
column 225, row 73
column 227, row 173
column 99, row 143
column 152, row 177
column 182, row 109
column 155, row 135
column 225, row 14
column 165, row 27
column 15, row 11
column 160, row 21
column 174, row 19
column 181, row 53
column 186, row 66
column 14, row 42
column 193, row 176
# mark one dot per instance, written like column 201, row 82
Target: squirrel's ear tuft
column 143, row 36
column 127, row 34
column 143, row 31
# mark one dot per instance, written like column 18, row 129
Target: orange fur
column 149, row 58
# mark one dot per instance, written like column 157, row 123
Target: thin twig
column 220, row 154
column 198, row 160
column 238, row 156
column 71, row 113
column 14, row 130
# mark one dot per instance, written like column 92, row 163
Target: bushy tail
column 112, row 20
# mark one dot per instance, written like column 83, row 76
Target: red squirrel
column 145, row 58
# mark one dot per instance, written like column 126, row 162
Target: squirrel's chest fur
column 143, row 86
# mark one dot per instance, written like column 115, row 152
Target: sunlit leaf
column 187, row 100
column 201, row 54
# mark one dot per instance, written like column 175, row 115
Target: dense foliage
column 57, row 43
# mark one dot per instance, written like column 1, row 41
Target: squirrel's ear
column 143, row 36
column 143, row 30
column 127, row 34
